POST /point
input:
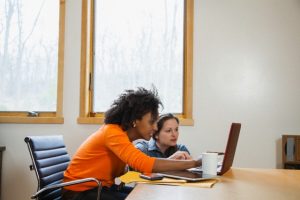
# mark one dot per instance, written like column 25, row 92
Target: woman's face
column 146, row 126
column 168, row 135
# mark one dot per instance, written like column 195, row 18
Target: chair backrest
column 49, row 160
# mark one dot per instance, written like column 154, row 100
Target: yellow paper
column 202, row 184
column 133, row 176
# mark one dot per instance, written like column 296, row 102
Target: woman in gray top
column 163, row 143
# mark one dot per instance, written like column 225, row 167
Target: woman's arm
column 161, row 165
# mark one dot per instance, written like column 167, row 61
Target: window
column 31, row 61
column 137, row 43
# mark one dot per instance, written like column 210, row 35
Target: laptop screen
column 229, row 153
column 230, row 147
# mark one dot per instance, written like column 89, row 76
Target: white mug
column 210, row 163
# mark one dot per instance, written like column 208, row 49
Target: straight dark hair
column 133, row 105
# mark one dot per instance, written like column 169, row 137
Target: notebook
column 195, row 174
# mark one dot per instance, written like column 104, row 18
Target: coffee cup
column 210, row 163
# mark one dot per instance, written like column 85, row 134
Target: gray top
column 151, row 149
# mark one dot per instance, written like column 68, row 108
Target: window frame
column 86, row 116
column 46, row 117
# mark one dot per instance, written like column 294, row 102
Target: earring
column 133, row 125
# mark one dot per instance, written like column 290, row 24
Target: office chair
column 49, row 161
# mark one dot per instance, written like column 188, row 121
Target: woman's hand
column 180, row 155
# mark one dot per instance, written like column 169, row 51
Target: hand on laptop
column 180, row 155
column 199, row 161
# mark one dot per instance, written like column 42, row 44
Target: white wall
column 246, row 69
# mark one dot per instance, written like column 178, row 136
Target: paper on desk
column 133, row 176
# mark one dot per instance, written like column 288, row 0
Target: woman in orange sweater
column 105, row 153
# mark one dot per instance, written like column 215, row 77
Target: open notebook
column 195, row 174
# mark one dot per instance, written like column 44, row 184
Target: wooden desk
column 1, row 149
column 236, row 184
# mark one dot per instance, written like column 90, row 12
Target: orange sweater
column 104, row 156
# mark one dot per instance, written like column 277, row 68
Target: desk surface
column 236, row 184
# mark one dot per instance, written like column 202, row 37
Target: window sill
column 186, row 121
column 31, row 120
column 100, row 120
column 90, row 120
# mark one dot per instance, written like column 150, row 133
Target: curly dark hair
column 161, row 121
column 133, row 105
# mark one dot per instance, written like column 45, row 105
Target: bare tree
column 24, row 61
column 9, row 7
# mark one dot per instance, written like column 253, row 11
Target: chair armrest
column 60, row 185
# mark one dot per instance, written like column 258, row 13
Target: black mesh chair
column 49, row 161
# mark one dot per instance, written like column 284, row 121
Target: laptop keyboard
column 199, row 169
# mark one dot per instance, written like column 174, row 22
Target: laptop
column 195, row 174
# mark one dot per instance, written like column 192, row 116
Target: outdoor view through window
column 29, row 32
column 139, row 43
